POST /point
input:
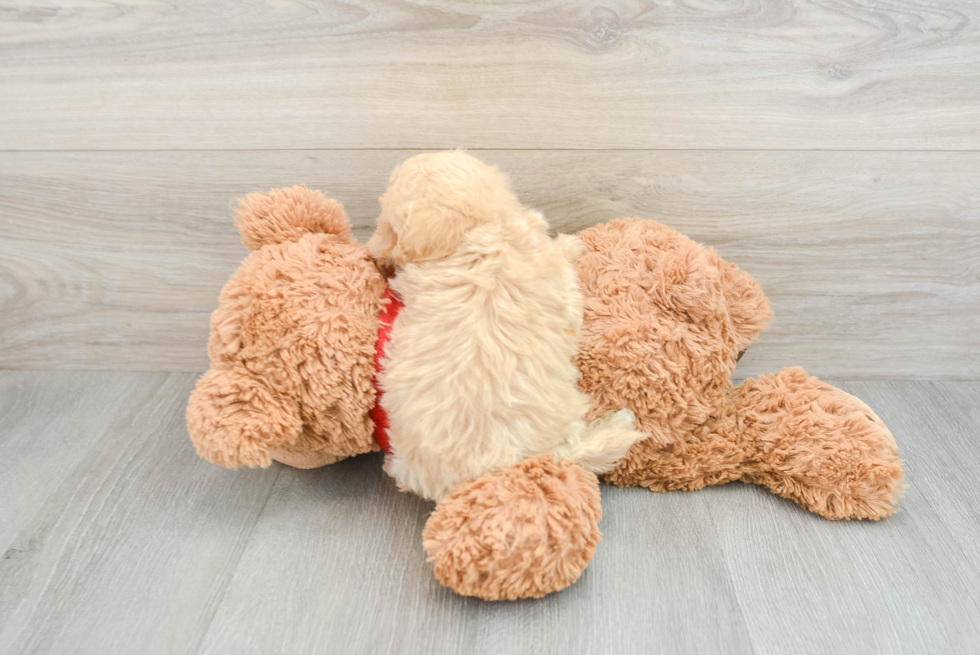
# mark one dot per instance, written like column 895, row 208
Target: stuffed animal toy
column 297, row 348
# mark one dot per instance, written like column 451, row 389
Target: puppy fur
column 478, row 374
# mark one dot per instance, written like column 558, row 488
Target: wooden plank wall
column 831, row 149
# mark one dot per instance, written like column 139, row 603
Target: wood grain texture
column 907, row 584
column 127, row 543
column 943, row 448
column 37, row 412
column 122, row 543
column 140, row 74
column 367, row 588
column 872, row 260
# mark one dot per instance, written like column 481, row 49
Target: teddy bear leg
column 519, row 532
column 818, row 446
column 801, row 438
column 705, row 456
column 235, row 419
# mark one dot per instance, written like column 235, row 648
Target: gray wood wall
column 832, row 150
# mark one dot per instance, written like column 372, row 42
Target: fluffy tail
column 287, row 214
column 603, row 443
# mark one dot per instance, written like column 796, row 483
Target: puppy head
column 432, row 200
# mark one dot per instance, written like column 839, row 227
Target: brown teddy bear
column 295, row 344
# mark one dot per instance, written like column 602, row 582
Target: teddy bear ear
column 429, row 232
column 287, row 214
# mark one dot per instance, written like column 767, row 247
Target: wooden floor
column 117, row 539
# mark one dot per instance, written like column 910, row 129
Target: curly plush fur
column 799, row 437
column 665, row 319
column 519, row 532
column 292, row 341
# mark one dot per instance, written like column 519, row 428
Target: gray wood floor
column 117, row 539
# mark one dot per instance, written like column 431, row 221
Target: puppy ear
column 429, row 231
column 382, row 242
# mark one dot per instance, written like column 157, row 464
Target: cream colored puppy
column 478, row 374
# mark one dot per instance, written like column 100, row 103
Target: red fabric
column 392, row 305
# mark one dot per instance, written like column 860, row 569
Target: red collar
column 389, row 312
